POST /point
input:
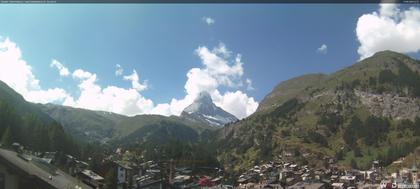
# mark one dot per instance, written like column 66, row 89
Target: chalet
column 334, row 178
column 288, row 153
column 293, row 167
column 291, row 181
column 348, row 180
column 375, row 177
column 92, row 179
column 375, row 165
column 247, row 185
column 50, row 157
column 243, row 179
column 338, row 185
column 182, row 179
column 74, row 166
column 124, row 173
column 319, row 174
column 217, row 180
column 308, row 185
column 284, row 173
column 21, row 171
column 307, row 176
column 184, row 170
column 150, row 184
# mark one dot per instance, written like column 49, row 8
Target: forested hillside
column 23, row 122
column 367, row 111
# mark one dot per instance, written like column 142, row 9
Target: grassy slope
column 240, row 144
column 104, row 124
column 10, row 96
column 78, row 121
column 30, row 126
column 131, row 125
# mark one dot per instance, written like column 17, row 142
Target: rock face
column 390, row 105
column 204, row 110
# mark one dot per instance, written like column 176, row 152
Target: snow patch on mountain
column 204, row 110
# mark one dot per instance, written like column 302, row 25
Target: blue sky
column 275, row 41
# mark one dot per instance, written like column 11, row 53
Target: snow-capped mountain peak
column 204, row 110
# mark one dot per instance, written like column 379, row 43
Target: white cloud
column 134, row 78
column 16, row 73
column 63, row 71
column 222, row 50
column 249, row 86
column 162, row 109
column 218, row 70
column 208, row 20
column 388, row 9
column 389, row 28
column 81, row 74
column 323, row 49
column 111, row 98
column 218, row 66
column 118, row 70
column 199, row 80
column 238, row 103
column 46, row 96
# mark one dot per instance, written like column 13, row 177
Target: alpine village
column 358, row 127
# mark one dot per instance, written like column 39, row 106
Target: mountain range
column 102, row 126
column 367, row 111
column 25, row 123
column 364, row 112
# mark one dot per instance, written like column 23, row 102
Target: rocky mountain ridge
column 204, row 110
column 359, row 114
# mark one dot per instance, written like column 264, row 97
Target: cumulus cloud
column 111, row 98
column 218, row 69
column 238, row 103
column 389, row 28
column 217, row 65
column 63, row 71
column 208, row 20
column 323, row 49
column 81, row 74
column 388, row 9
column 134, row 78
column 118, row 70
column 16, row 73
column 46, row 96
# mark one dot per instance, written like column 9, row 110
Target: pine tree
column 7, row 138
column 111, row 179
column 353, row 163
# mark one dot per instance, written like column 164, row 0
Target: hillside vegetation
column 367, row 111
column 24, row 123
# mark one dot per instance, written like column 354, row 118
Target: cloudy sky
column 154, row 59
